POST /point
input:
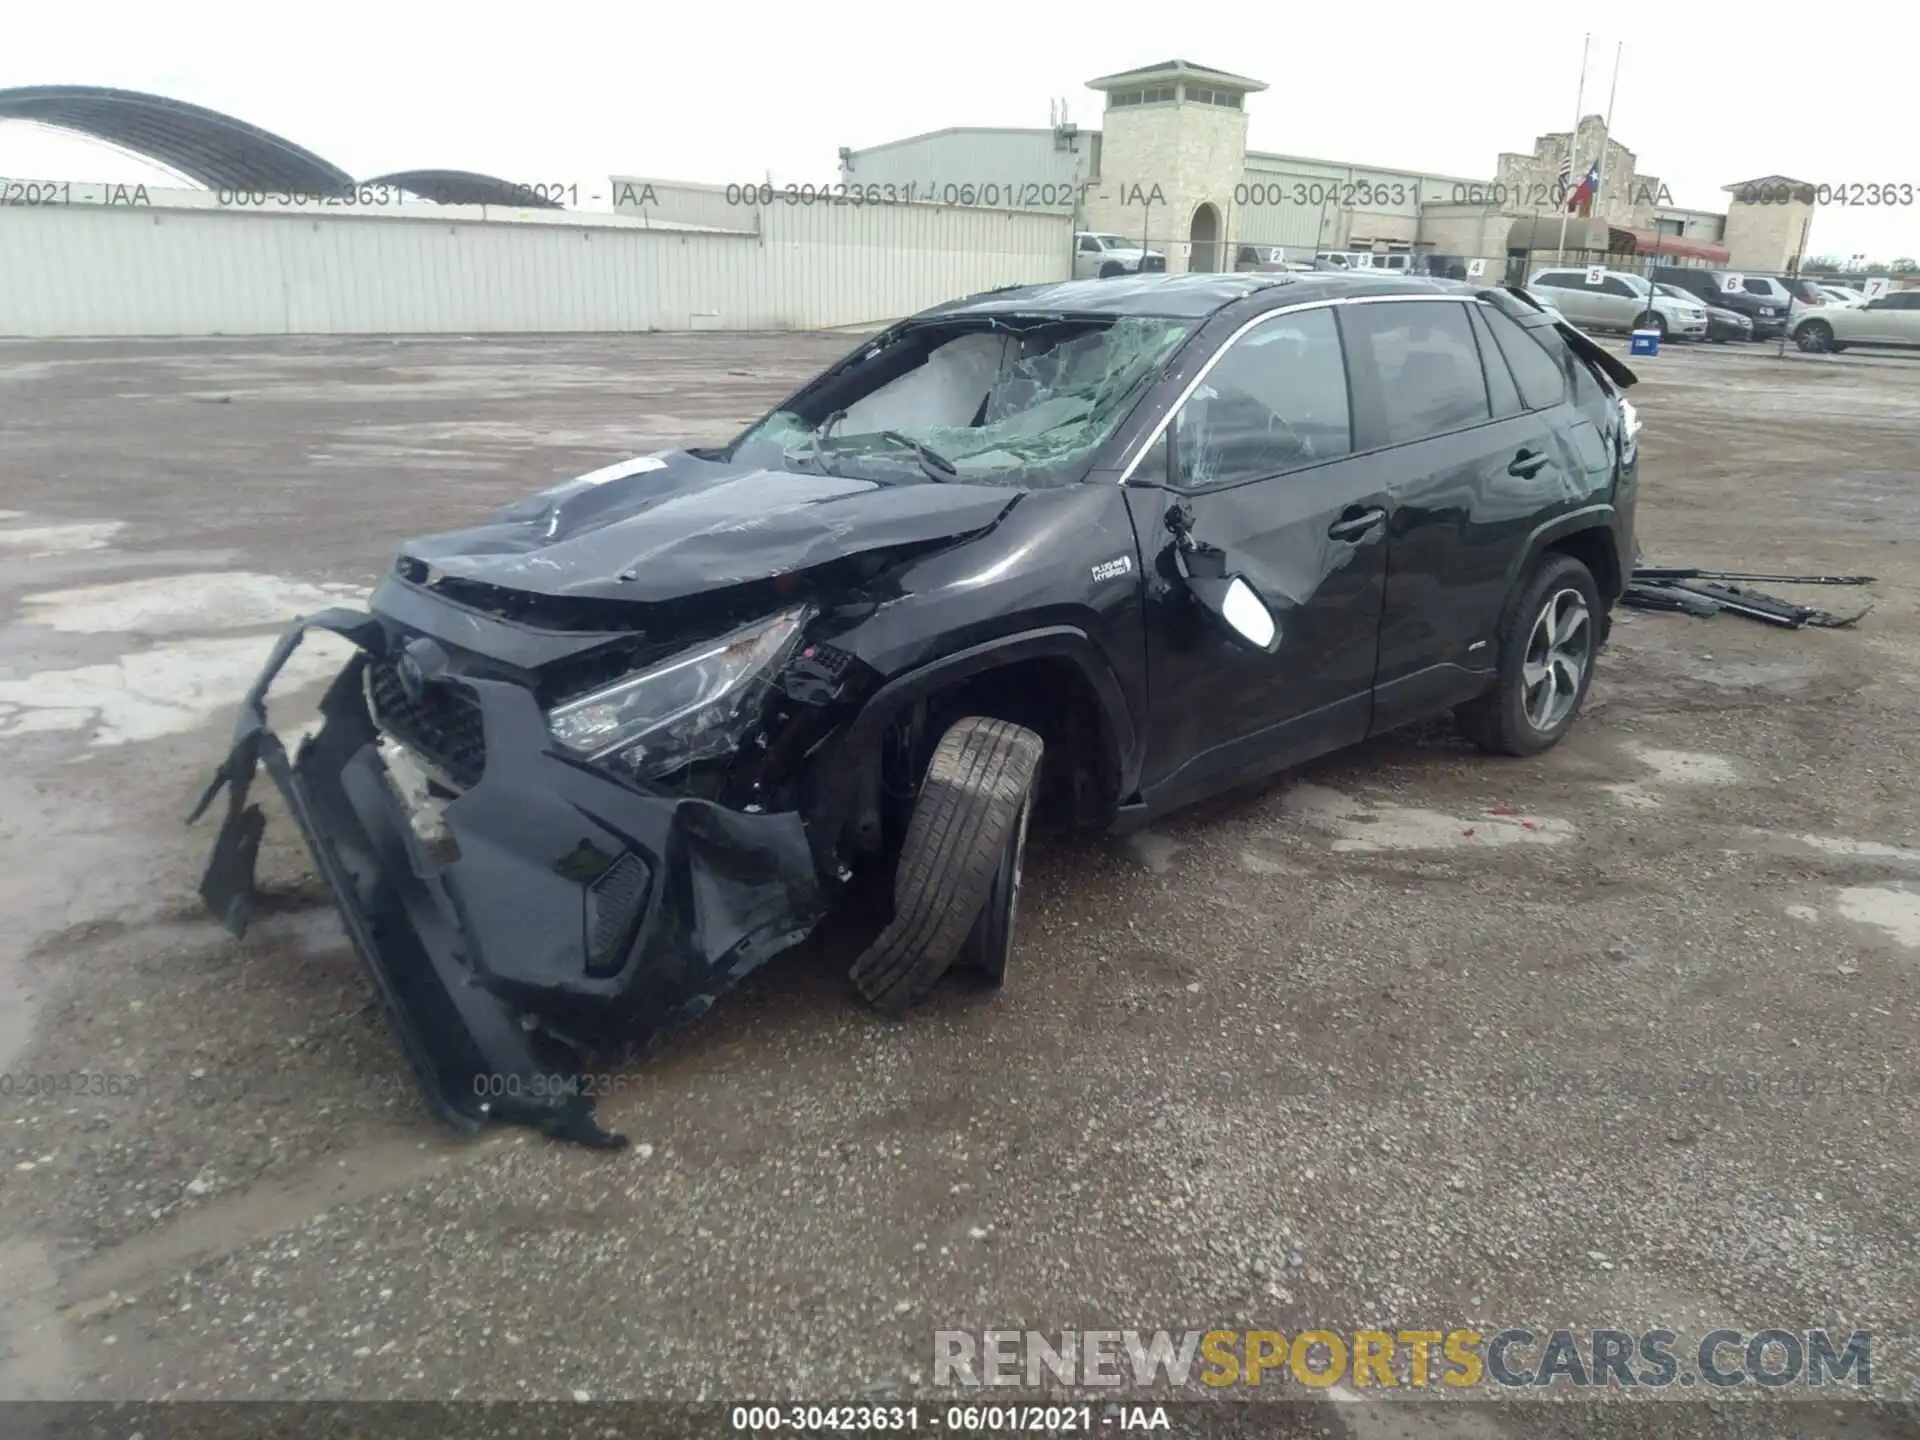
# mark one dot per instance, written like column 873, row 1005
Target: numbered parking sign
column 1596, row 274
column 1876, row 287
column 1734, row 282
column 1476, row 267
column 1186, row 252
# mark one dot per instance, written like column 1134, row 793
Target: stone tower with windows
column 1173, row 146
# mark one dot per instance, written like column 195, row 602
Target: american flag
column 1564, row 181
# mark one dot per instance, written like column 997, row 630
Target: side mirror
column 1233, row 600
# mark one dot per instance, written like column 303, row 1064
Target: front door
column 1259, row 464
column 1890, row 320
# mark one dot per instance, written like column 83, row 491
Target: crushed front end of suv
column 1088, row 551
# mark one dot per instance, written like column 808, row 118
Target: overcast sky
column 569, row 91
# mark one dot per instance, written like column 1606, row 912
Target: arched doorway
column 1204, row 235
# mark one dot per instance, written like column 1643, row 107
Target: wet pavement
column 1411, row 1039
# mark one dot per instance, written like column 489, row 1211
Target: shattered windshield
column 1012, row 402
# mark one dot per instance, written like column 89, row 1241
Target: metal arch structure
column 213, row 149
column 464, row 187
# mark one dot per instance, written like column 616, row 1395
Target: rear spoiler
column 1581, row 343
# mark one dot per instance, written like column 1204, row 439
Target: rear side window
column 1276, row 401
column 1426, row 363
column 1542, row 382
column 1560, row 280
column 1500, row 387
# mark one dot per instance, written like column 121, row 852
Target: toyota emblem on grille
column 420, row 663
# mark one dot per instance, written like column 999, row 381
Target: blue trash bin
column 1644, row 342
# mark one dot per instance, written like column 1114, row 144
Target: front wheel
column 1653, row 320
column 990, row 941
column 1814, row 338
column 956, row 888
column 1548, row 646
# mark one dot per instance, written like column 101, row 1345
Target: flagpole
column 1606, row 139
column 1573, row 143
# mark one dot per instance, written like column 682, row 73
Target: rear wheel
column 956, row 889
column 1548, row 645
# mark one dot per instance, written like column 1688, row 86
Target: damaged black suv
column 1098, row 547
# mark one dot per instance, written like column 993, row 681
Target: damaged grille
column 443, row 726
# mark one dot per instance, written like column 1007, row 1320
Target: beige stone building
column 1169, row 165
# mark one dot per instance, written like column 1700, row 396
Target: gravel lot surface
column 1409, row 1039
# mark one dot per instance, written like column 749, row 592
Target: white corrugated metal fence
column 132, row 270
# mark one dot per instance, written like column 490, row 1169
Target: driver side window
column 1276, row 401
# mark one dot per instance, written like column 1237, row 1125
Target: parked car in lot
column 1888, row 320
column 1093, row 549
column 1267, row 259
column 1103, row 255
column 1844, row 295
column 1620, row 300
column 1722, row 324
column 1713, row 287
column 1805, row 290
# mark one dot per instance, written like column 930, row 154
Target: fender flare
column 1574, row 522
column 1054, row 642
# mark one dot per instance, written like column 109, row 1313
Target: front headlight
column 694, row 706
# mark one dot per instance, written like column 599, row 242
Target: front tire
column 1548, row 645
column 956, row 889
column 1653, row 320
column 1111, row 269
column 989, row 944
column 1814, row 338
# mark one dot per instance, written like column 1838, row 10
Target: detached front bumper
column 579, row 917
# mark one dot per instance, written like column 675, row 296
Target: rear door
column 1469, row 462
column 1903, row 317
column 1259, row 460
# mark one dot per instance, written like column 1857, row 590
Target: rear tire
column 1545, row 665
column 960, row 861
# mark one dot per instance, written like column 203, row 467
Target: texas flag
column 1581, row 201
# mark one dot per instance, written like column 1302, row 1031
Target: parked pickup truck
column 1100, row 255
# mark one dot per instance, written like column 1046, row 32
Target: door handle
column 1527, row 464
column 1355, row 522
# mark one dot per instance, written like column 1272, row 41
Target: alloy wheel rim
column 1019, row 865
column 1559, row 650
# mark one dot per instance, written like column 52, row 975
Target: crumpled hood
column 664, row 526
